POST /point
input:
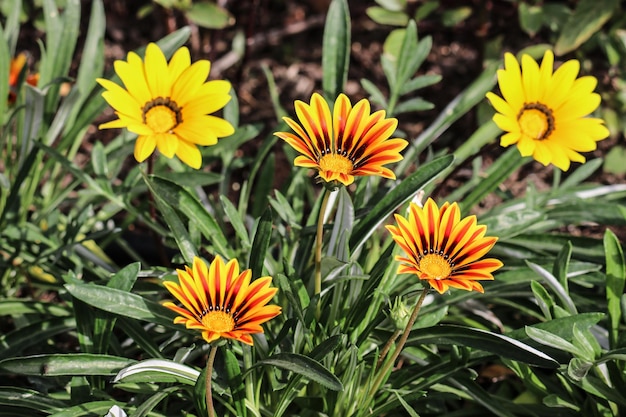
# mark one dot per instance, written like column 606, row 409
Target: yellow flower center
column 536, row 121
column 435, row 266
column 219, row 321
column 336, row 163
column 162, row 115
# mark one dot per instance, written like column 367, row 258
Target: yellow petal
column 144, row 146
column 189, row 154
column 157, row 73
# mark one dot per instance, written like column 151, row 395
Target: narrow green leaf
column 158, row 371
column 500, row 170
column 179, row 198
column 588, row 17
column 5, row 62
column 209, row 15
column 63, row 364
column 550, row 339
column 235, row 382
column 494, row 343
column 387, row 17
column 236, row 221
column 94, row 408
column 92, row 58
column 37, row 333
column 543, row 299
column 336, row 49
column 104, row 322
column 553, row 283
column 123, row 303
column 178, row 229
column 29, row 399
column 260, row 243
column 396, row 197
column 615, row 279
column 561, row 265
column 16, row 307
column 305, row 366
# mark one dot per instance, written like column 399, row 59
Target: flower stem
column 318, row 248
column 209, row 374
column 383, row 353
column 389, row 363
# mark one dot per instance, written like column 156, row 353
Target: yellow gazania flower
column 221, row 302
column 443, row 249
column 347, row 143
column 544, row 112
column 168, row 105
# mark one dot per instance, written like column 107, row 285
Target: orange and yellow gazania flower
column 544, row 113
column 221, row 302
column 346, row 143
column 16, row 67
column 168, row 105
column 442, row 248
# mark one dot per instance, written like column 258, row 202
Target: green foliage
column 84, row 331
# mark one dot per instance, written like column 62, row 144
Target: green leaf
column 62, row 31
column 92, row 58
column 30, row 399
column 236, row 221
column 123, row 303
column 493, row 343
column 550, row 339
column 18, row 306
column 555, row 285
column 158, row 371
column 209, row 15
column 91, row 409
column 530, row 18
column 615, row 280
column 396, row 197
column 413, row 105
column 63, row 364
column 179, row 231
column 5, row 62
column 305, row 366
column 543, row 299
column 33, row 334
column 387, row 17
column 336, row 49
column 588, row 17
column 260, row 243
column 500, row 170
column 614, row 160
column 179, row 198
column 235, row 382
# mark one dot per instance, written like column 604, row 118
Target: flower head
column 544, row 112
column 442, row 248
column 168, row 104
column 16, row 69
column 221, row 302
column 347, row 143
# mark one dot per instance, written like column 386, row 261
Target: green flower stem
column 389, row 363
column 209, row 374
column 318, row 248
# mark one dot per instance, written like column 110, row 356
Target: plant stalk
column 318, row 248
column 389, row 363
column 209, row 374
